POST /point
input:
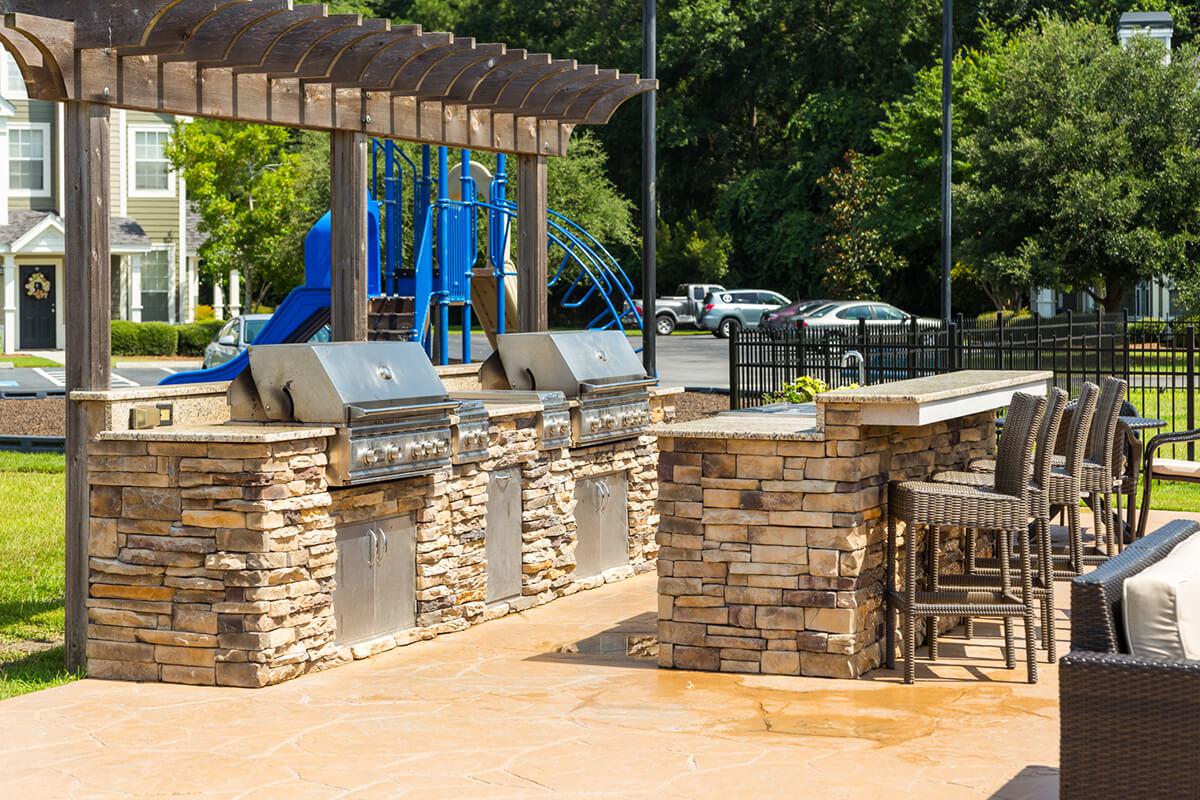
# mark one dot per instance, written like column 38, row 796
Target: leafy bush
column 158, row 339
column 801, row 390
column 125, row 338
column 195, row 337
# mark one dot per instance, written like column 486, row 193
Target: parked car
column 234, row 337
column 742, row 308
column 789, row 316
column 835, row 318
column 683, row 308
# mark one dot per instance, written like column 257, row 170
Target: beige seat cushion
column 1167, row 468
column 1162, row 605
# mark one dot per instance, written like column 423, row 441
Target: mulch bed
column 697, row 405
column 44, row 417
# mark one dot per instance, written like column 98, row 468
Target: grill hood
column 572, row 363
column 335, row 383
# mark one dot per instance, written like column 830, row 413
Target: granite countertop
column 935, row 387
column 232, row 433
column 151, row 392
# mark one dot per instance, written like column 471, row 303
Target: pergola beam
column 266, row 62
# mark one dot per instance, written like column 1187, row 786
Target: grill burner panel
column 599, row 369
column 553, row 423
column 470, row 433
column 385, row 399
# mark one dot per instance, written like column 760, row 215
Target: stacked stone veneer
column 772, row 551
column 209, row 562
column 213, row 562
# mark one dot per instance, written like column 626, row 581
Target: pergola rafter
column 273, row 62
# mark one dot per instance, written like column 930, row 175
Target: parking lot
column 691, row 361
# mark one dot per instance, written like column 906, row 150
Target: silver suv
column 723, row 312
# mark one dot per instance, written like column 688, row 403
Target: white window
column 150, row 172
column 13, row 84
column 29, row 159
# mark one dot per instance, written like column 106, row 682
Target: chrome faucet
column 857, row 357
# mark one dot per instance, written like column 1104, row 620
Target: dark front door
column 37, row 291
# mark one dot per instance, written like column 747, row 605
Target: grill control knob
column 417, row 449
column 595, row 424
column 610, row 421
column 370, row 457
column 393, row 453
column 440, row 447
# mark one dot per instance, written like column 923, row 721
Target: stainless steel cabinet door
column 395, row 574
column 503, row 535
column 602, row 523
column 354, row 597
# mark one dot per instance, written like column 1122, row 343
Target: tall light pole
column 649, row 187
column 947, row 151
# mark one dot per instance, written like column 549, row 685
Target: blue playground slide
column 306, row 309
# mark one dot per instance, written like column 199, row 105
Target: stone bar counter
column 773, row 520
column 216, row 549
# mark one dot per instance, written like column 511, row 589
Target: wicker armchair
column 1129, row 725
column 1003, row 508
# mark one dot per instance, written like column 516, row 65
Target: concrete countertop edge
column 885, row 392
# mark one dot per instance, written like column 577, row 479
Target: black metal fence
column 1157, row 358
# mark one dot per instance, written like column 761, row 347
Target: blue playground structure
column 411, row 300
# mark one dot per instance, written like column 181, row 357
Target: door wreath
column 38, row 286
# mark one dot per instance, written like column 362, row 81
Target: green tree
column 248, row 183
column 693, row 250
column 1085, row 173
column 854, row 256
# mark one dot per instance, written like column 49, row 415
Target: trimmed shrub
column 126, row 340
column 195, row 337
column 158, row 339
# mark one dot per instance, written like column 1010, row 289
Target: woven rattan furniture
column 977, row 576
column 1165, row 469
column 1003, row 508
column 1129, row 725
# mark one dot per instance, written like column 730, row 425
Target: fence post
column 1037, row 340
column 912, row 347
column 952, row 356
column 1070, row 350
column 862, row 348
column 1126, row 370
column 999, row 340
column 1191, row 388
column 734, row 355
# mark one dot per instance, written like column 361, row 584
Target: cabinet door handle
column 373, row 556
column 383, row 534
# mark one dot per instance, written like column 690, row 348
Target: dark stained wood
column 348, row 203
column 88, row 345
column 532, row 274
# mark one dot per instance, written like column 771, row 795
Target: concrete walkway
column 562, row 701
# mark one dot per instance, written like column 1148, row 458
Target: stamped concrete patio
column 562, row 701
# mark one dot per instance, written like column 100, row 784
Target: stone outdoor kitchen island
column 773, row 520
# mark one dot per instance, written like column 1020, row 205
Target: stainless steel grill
column 389, row 406
column 469, row 432
column 597, row 370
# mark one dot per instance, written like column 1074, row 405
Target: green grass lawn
column 1170, row 406
column 32, row 494
column 29, row 361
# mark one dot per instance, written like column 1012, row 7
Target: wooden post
column 348, row 203
column 533, row 308
column 89, row 341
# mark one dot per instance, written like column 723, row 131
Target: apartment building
column 155, row 264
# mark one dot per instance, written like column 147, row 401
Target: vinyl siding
column 158, row 216
column 37, row 111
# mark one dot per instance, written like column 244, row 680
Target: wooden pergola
column 272, row 62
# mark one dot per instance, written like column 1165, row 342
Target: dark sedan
column 789, row 316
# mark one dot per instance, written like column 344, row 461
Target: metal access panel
column 376, row 578
column 396, row 574
column 602, row 523
column 503, row 536
column 354, row 596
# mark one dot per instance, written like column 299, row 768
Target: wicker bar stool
column 1003, row 508
column 1038, row 495
column 1099, row 475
